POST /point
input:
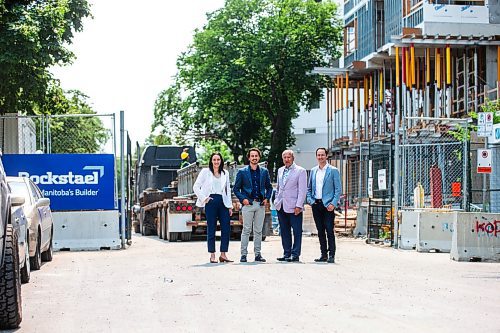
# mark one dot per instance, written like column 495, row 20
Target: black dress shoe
column 321, row 259
column 283, row 258
column 259, row 258
column 243, row 259
column 331, row 260
column 293, row 259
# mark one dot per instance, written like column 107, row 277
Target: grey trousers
column 252, row 215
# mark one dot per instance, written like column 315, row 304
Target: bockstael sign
column 71, row 181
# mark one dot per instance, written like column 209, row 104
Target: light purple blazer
column 293, row 193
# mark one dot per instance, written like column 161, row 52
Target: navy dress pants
column 289, row 221
column 215, row 210
column 324, row 223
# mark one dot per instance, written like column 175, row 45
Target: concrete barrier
column 86, row 230
column 434, row 231
column 476, row 237
column 361, row 220
column 408, row 229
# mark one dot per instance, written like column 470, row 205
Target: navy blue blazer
column 243, row 184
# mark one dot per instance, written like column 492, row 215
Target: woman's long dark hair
column 221, row 166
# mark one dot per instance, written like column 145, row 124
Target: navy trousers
column 289, row 221
column 324, row 223
column 215, row 210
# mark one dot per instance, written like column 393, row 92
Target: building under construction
column 400, row 108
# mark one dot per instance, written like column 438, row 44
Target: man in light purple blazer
column 289, row 201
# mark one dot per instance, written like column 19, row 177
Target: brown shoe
column 224, row 260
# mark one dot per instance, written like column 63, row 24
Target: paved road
column 155, row 286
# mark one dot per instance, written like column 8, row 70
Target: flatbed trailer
column 178, row 218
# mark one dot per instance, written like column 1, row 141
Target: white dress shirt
column 320, row 177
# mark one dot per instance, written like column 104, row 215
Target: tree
column 75, row 134
column 34, row 36
column 245, row 75
column 158, row 140
column 211, row 146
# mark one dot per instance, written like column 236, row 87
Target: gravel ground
column 156, row 286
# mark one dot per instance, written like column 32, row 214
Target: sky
column 126, row 55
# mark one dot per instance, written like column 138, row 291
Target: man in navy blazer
column 253, row 188
column 323, row 194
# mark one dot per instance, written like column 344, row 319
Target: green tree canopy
column 34, row 36
column 210, row 146
column 245, row 75
column 76, row 134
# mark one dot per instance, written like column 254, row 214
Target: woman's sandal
column 213, row 261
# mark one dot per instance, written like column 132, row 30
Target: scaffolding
column 414, row 87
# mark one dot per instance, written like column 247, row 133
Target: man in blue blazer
column 253, row 188
column 323, row 194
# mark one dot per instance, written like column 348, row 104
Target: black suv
column 10, row 279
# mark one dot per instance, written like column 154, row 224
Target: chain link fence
column 58, row 134
column 484, row 192
column 81, row 134
column 380, row 189
column 434, row 165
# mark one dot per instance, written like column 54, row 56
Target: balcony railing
column 415, row 17
column 349, row 58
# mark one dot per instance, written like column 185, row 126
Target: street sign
column 484, row 161
column 382, row 180
column 489, row 123
column 495, row 137
column 485, row 124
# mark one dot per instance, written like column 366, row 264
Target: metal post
column 396, row 168
column 427, row 82
column 122, row 177
column 334, row 126
column 449, row 101
column 476, row 109
column 43, row 139
column 466, row 82
column 328, row 117
column 360, row 179
column 113, row 117
column 476, row 82
column 465, row 173
column 358, row 106
column 49, row 136
column 341, row 116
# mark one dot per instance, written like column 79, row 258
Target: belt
column 318, row 201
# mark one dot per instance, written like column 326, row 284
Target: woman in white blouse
column 213, row 189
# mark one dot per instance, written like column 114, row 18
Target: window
column 315, row 104
column 350, row 38
column 20, row 189
column 309, row 130
column 34, row 192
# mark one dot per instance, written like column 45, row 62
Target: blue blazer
column 243, row 184
column 332, row 188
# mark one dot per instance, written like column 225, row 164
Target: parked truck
column 155, row 180
column 170, row 211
